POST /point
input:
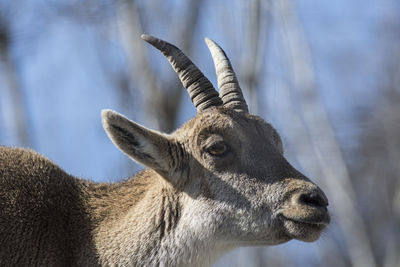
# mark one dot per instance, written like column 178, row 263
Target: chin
column 262, row 239
column 307, row 232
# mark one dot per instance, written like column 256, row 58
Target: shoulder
column 13, row 157
column 25, row 165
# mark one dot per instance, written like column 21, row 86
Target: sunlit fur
column 186, row 209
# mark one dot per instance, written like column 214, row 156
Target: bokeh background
column 326, row 74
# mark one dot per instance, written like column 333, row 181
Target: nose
column 315, row 198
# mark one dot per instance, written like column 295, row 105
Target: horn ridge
column 200, row 89
column 228, row 85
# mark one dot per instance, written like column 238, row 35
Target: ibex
column 217, row 183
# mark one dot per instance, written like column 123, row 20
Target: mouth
column 306, row 228
column 305, row 222
column 317, row 219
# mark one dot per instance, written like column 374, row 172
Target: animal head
column 226, row 164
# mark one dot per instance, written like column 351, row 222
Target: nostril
column 313, row 199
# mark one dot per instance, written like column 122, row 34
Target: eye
column 218, row 149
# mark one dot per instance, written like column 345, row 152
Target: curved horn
column 228, row 85
column 200, row 89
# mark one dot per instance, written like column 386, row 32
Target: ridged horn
column 228, row 85
column 200, row 89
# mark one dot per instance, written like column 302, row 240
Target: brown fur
column 50, row 218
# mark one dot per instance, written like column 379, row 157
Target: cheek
column 204, row 182
column 262, row 197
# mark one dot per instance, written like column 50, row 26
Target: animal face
column 226, row 165
column 238, row 172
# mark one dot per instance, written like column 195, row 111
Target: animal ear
column 148, row 147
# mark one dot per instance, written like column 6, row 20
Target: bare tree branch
column 14, row 90
column 327, row 151
column 256, row 46
column 163, row 103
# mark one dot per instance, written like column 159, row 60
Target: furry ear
column 148, row 147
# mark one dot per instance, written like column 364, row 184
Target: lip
column 307, row 215
column 318, row 218
column 317, row 225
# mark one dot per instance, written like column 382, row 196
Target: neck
column 138, row 222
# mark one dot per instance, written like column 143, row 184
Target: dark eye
column 218, row 149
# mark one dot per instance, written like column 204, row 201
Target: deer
column 218, row 182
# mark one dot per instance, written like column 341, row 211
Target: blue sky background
column 65, row 68
column 65, row 87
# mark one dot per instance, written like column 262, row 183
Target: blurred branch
column 256, row 45
column 19, row 114
column 131, row 27
column 163, row 102
column 390, row 135
column 380, row 155
column 327, row 152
